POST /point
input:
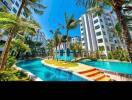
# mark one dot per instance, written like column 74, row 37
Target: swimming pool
column 120, row 67
column 47, row 73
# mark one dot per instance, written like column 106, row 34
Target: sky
column 54, row 15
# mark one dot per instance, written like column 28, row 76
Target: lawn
column 61, row 63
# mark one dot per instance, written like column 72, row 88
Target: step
column 92, row 73
column 105, row 79
column 98, row 76
column 86, row 71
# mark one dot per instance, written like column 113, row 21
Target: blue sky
column 54, row 15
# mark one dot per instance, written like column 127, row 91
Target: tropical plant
column 70, row 24
column 18, row 47
column 8, row 22
column 118, row 6
column 10, row 61
column 13, row 75
column 56, row 37
column 28, row 6
column 49, row 48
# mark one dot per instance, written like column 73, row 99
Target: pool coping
column 29, row 74
column 66, row 70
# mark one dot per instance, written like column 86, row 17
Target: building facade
column 75, row 39
column 39, row 37
column 96, row 33
column 13, row 6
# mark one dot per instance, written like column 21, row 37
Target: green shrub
column 12, row 75
column 10, row 61
column 121, row 55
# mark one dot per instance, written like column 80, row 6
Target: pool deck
column 87, row 72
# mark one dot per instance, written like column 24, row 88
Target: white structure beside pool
column 96, row 34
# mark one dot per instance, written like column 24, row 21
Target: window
column 110, row 24
column 98, row 33
column 101, row 48
column 101, row 20
column 81, row 29
column 102, row 26
column 7, row 5
column 82, row 39
column 104, row 33
column 97, row 27
column 17, row 4
column 115, row 41
column 100, row 40
column 83, row 44
column 14, row 10
column 95, row 21
column 13, row 1
column 109, row 19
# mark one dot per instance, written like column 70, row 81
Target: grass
column 61, row 63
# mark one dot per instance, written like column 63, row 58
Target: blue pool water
column 47, row 73
column 125, row 68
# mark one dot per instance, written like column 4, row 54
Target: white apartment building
column 96, row 33
column 13, row 6
column 75, row 39
column 39, row 37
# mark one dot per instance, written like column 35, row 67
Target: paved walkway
column 87, row 72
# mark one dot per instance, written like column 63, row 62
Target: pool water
column 125, row 68
column 47, row 73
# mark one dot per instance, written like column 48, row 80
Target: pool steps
column 84, row 71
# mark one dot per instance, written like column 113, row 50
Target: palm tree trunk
column 5, row 52
column 7, row 45
column 126, row 34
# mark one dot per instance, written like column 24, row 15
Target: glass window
column 100, row 40
column 101, row 20
column 104, row 33
column 98, row 33
column 95, row 21
column 97, row 27
column 17, row 4
column 102, row 26
column 13, row 1
column 14, row 10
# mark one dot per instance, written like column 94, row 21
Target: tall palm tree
column 118, row 6
column 8, row 22
column 28, row 6
column 70, row 24
column 56, row 37
column 49, row 47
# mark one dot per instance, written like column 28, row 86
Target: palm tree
column 118, row 6
column 49, row 48
column 19, row 47
column 28, row 6
column 56, row 38
column 70, row 24
column 8, row 22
